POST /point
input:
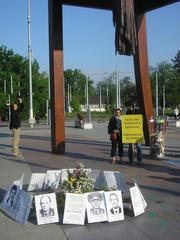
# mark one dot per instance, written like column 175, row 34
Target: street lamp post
column 87, row 102
column 100, row 102
column 164, row 100
column 117, row 89
column 31, row 119
column 4, row 86
column 156, row 94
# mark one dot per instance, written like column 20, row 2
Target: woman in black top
column 115, row 131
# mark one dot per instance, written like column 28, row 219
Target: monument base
column 87, row 126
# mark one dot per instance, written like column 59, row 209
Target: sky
column 88, row 36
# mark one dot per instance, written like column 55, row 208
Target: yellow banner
column 132, row 128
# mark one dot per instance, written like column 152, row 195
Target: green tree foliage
column 127, row 88
column 169, row 77
column 77, row 82
column 15, row 66
column 176, row 62
column 128, row 91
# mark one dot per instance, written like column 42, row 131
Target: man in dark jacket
column 115, row 131
column 132, row 110
column 15, row 124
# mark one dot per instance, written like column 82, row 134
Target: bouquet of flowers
column 78, row 181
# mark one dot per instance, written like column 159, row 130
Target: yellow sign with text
column 132, row 128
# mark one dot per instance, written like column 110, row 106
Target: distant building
column 94, row 104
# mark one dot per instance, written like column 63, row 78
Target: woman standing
column 115, row 131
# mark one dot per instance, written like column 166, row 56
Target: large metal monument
column 57, row 69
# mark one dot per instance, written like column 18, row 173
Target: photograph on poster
column 52, row 179
column 99, row 179
column 46, row 208
column 11, row 197
column 137, row 202
column 95, row 203
column 64, row 173
column 36, row 182
column 74, row 211
column 114, row 206
column 19, row 182
column 121, row 184
column 16, row 204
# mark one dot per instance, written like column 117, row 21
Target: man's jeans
column 131, row 153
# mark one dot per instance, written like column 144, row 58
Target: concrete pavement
column 159, row 182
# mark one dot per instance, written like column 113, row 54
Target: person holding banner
column 115, row 131
column 132, row 110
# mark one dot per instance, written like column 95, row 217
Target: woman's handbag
column 113, row 136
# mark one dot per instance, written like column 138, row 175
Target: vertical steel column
column 56, row 76
column 142, row 75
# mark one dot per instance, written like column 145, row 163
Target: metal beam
column 56, row 76
column 98, row 4
column 142, row 75
column 141, row 6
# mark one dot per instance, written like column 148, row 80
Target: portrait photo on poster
column 11, row 196
column 114, row 204
column 46, row 208
column 96, row 210
column 52, row 179
column 36, row 182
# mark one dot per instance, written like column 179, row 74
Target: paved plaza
column 158, row 180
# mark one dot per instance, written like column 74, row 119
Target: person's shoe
column 139, row 163
column 131, row 163
column 16, row 155
column 120, row 162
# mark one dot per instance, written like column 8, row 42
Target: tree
column 128, row 91
column 77, row 81
column 14, row 65
column 167, row 77
column 176, row 62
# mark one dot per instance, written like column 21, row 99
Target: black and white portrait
column 52, row 179
column 46, row 208
column 45, row 204
column 37, row 181
column 95, row 200
column 114, row 206
column 96, row 210
column 11, row 196
column 114, row 201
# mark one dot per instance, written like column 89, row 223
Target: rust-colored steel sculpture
column 56, row 62
column 56, row 76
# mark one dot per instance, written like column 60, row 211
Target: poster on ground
column 36, row 182
column 114, row 204
column 137, row 202
column 74, row 211
column 16, row 204
column 52, row 179
column 132, row 128
column 95, row 205
column 46, row 208
column 142, row 197
column 19, row 182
